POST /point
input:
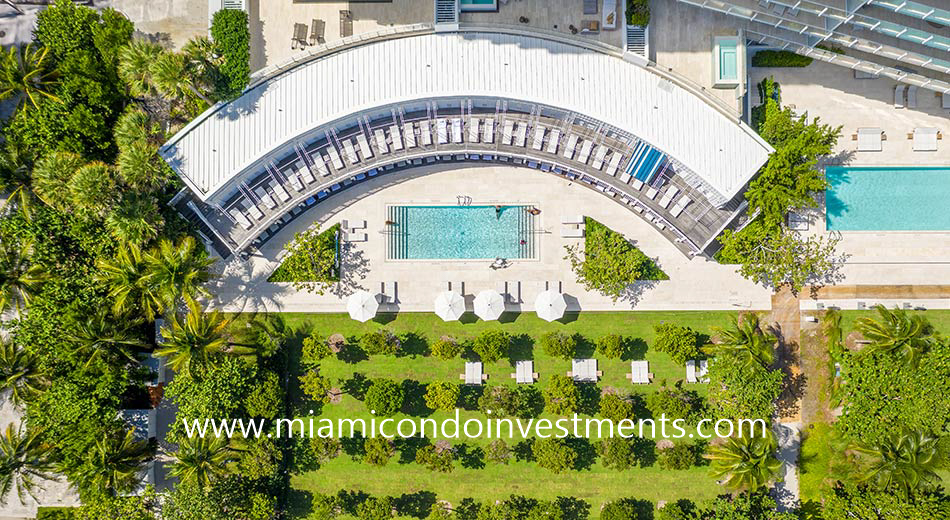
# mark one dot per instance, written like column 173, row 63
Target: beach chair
column 381, row 143
column 599, row 155
column 253, row 210
column 456, row 130
column 294, row 181
column 869, row 139
column 668, row 197
column 613, row 163
column 506, row 132
column 899, row 96
column 680, row 206
column 488, row 131
column 553, row 140
column 335, row 157
column 346, row 23
column 584, row 154
column 425, row 133
column 651, row 193
column 350, row 151
column 521, row 134
column 912, row 96
column 925, row 139
column 396, row 137
column 568, row 152
column 317, row 30
column 319, row 164
column 473, row 130
column 306, row 174
column 299, row 38
column 281, row 192
column 538, row 138
column 240, row 219
column 441, row 130
column 265, row 197
column 365, row 150
column 409, row 134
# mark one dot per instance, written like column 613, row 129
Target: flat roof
column 229, row 139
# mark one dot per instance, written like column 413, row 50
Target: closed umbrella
column 550, row 305
column 449, row 305
column 362, row 306
column 489, row 305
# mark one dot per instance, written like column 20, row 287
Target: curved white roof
column 229, row 138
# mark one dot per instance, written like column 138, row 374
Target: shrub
column 492, row 345
column 638, row 12
column 554, row 454
column 561, row 396
column 378, row 451
column 609, row 263
column 681, row 343
column 436, row 459
column 315, row 348
column 612, row 346
column 324, row 449
column 675, row 403
column 374, row 508
column 311, row 264
column 446, row 348
column 442, row 395
column 265, row 398
column 615, row 408
column 627, row 509
column 316, row 387
column 385, row 397
column 380, row 341
column 679, row 456
column 232, row 39
column 617, row 453
column 780, row 59
column 558, row 344
column 498, row 452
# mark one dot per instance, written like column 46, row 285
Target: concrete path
column 789, row 441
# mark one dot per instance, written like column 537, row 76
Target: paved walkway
column 786, row 492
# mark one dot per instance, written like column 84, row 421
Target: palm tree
column 907, row 336
column 123, row 275
column 135, row 65
column 746, row 340
column 175, row 272
column 16, row 177
column 25, row 72
column 140, row 166
column 903, row 462
column 132, row 126
column 135, row 220
column 171, row 77
column 19, row 276
column 51, row 176
column 23, row 458
column 102, row 337
column 20, row 373
column 114, row 463
column 745, row 463
column 193, row 339
column 92, row 187
column 202, row 460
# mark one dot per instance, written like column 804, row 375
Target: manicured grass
column 940, row 319
column 594, row 484
column 817, row 454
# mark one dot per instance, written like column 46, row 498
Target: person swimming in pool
column 498, row 209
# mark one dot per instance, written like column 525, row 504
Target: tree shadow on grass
column 573, row 508
column 523, row 452
column 470, row 457
column 414, row 344
column 585, row 347
column 350, row 499
column 634, row 348
column 414, row 402
column 521, row 348
column 469, row 396
column 586, row 453
column 299, row 503
column 357, row 385
column 355, row 446
column 588, row 401
column 351, row 353
column 408, row 446
column 416, row 505
column 645, row 451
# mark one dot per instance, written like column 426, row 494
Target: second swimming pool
column 887, row 198
column 460, row 232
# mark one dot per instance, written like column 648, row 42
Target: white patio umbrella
column 550, row 305
column 489, row 305
column 449, row 305
column 362, row 306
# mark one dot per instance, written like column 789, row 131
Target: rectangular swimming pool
column 460, row 232
column 887, row 198
column 478, row 5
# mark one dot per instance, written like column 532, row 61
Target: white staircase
column 638, row 41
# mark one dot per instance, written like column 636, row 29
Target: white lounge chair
column 354, row 237
column 396, row 137
column 335, row 157
column 365, row 150
column 869, row 139
column 584, row 154
column 488, row 131
column 254, row 211
column 281, row 192
column 553, row 140
column 381, row 143
column 599, row 155
column 925, row 139
column 668, row 197
column 613, row 163
column 680, row 206
column 240, row 219
column 456, row 130
column 306, row 175
column 651, row 193
column 572, row 231
column 568, row 152
column 350, row 151
column 473, row 129
column 899, row 96
column 442, row 130
column 538, row 138
column 409, row 134
column 912, row 96
column 506, row 132
column 294, row 181
column 265, row 197
column 691, row 371
column 319, row 165
column 425, row 133
column 573, row 219
column 521, row 134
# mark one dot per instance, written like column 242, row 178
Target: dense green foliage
column 849, row 501
column 561, row 395
column 232, row 38
column 312, row 262
column 738, row 391
column 558, row 344
column 492, row 345
column 385, row 397
column 681, row 343
column 638, row 12
column 781, row 58
column 609, row 263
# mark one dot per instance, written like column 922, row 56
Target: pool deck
column 694, row 284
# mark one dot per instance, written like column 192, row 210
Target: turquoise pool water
column 460, row 232
column 478, row 5
column 728, row 60
column 887, row 199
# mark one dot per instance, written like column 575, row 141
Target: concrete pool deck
column 694, row 284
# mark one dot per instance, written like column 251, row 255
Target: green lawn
column 595, row 484
column 940, row 319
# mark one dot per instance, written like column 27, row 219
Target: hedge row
column 780, row 59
